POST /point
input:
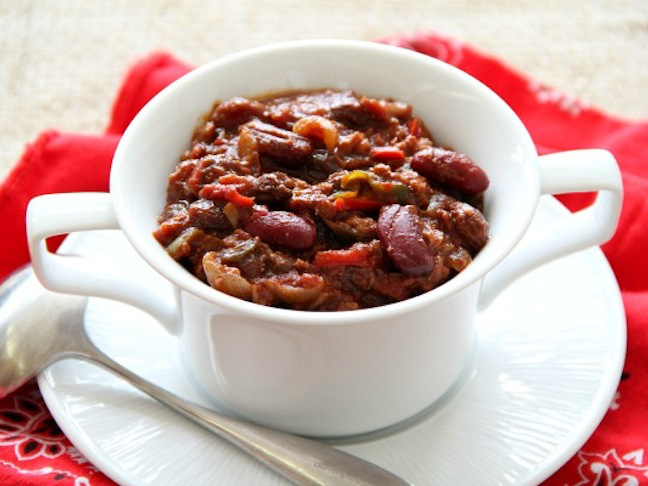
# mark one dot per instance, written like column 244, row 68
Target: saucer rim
column 599, row 406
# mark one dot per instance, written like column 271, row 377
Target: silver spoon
column 38, row 328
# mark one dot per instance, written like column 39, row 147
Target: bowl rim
column 185, row 281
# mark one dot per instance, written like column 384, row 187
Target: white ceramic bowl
column 331, row 373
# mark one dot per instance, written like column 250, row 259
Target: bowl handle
column 571, row 171
column 59, row 214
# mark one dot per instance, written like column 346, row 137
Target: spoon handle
column 301, row 460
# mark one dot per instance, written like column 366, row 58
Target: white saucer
column 548, row 361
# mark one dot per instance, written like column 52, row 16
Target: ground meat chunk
column 276, row 187
column 466, row 223
column 235, row 112
column 208, row 217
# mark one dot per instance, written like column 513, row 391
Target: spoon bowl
column 39, row 328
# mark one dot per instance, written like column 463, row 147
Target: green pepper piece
column 384, row 190
column 353, row 179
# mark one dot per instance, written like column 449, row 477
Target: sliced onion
column 297, row 292
column 232, row 214
column 224, row 278
column 318, row 128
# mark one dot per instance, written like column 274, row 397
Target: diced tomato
column 356, row 204
column 231, row 179
column 239, row 200
column 414, row 127
column 241, row 183
column 387, row 153
column 358, row 256
column 223, row 192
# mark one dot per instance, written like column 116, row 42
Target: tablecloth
column 33, row 450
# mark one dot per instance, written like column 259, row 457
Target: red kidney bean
column 450, row 168
column 281, row 228
column 399, row 230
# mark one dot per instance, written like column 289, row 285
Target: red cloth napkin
column 34, row 451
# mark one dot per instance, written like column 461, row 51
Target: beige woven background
column 61, row 62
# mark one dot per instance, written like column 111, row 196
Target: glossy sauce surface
column 322, row 200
